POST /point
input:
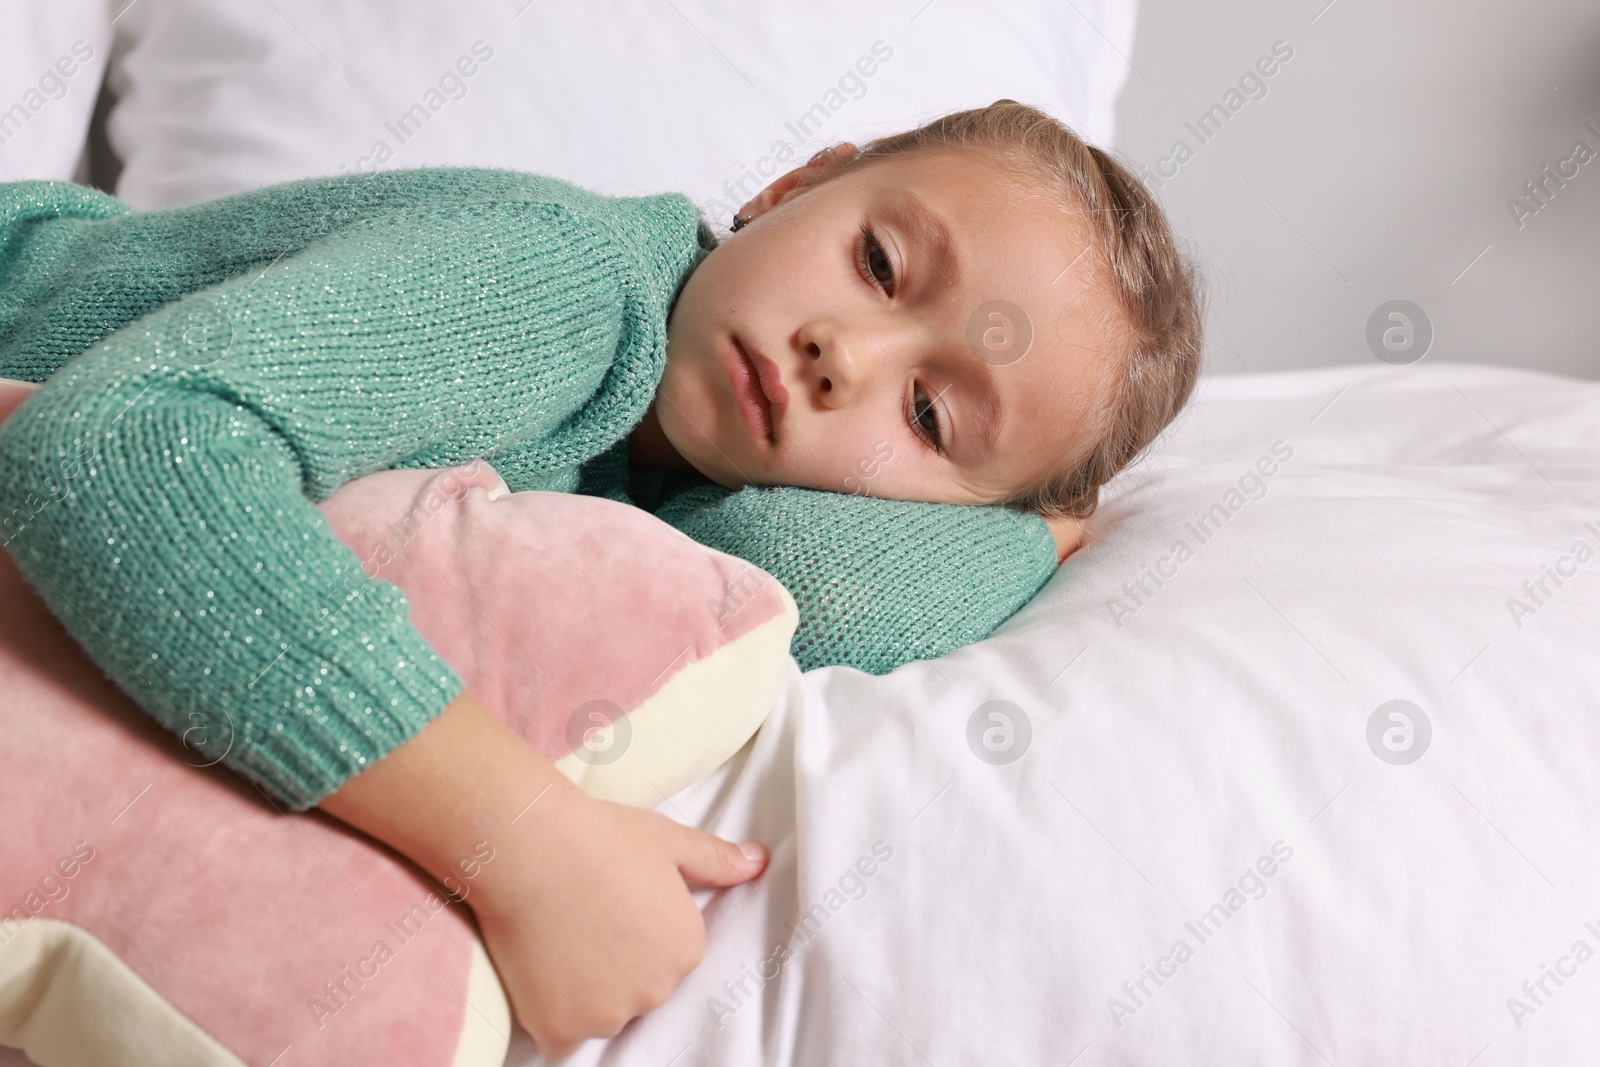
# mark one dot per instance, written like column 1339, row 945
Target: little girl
column 981, row 311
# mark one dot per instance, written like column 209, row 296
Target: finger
column 711, row 861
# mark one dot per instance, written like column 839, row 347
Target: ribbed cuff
column 356, row 714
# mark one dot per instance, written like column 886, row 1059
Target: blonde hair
column 1156, row 287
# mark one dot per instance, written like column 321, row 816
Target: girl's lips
column 770, row 379
column 744, row 375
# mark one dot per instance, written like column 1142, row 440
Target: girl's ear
column 812, row 171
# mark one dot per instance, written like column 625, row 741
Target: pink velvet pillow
column 629, row 654
column 154, row 911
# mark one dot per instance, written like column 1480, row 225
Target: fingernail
column 753, row 852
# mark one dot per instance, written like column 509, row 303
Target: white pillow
column 52, row 56
column 1217, row 749
column 620, row 97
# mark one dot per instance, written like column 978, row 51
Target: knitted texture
column 213, row 371
column 878, row 583
column 856, row 574
column 158, row 491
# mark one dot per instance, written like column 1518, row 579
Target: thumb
column 711, row 861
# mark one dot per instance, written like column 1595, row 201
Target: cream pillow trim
column 696, row 721
column 67, row 1000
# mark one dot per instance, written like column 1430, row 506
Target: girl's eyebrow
column 983, row 413
column 927, row 232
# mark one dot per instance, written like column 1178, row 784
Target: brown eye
column 929, row 434
column 873, row 262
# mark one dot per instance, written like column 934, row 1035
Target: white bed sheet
column 1421, row 905
column 1227, row 714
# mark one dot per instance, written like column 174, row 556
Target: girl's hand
column 588, row 917
column 583, row 904
column 1068, row 534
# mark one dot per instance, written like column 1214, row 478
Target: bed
column 1336, row 752
column 1293, row 762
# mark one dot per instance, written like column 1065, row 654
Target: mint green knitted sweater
column 212, row 372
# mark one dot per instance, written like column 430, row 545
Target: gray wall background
column 1378, row 165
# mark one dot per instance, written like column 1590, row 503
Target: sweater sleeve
column 159, row 490
column 878, row 583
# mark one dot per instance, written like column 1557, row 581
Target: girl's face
column 952, row 353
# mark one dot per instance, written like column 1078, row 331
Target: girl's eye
column 874, row 265
column 871, row 259
column 929, row 434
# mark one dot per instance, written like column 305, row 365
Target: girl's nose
column 843, row 359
